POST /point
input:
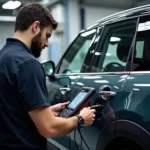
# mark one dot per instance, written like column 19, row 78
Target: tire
column 122, row 144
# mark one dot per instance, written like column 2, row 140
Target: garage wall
column 6, row 30
column 93, row 14
column 58, row 42
column 72, row 20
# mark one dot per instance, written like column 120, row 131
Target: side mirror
column 49, row 68
column 64, row 81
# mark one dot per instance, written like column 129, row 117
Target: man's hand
column 88, row 115
column 58, row 107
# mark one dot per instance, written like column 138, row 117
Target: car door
column 107, row 75
column 136, row 106
column 68, row 72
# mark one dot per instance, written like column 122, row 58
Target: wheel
column 124, row 149
column 122, row 144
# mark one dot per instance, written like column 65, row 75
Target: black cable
column 79, row 148
column 83, row 138
column 81, row 142
column 75, row 138
column 69, row 142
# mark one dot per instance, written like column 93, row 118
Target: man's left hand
column 58, row 107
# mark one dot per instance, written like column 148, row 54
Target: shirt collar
column 18, row 42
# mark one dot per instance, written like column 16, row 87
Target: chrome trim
column 97, row 73
column 140, row 8
column 108, row 73
column 140, row 72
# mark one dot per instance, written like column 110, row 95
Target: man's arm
column 50, row 126
column 34, row 96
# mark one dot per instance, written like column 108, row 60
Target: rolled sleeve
column 32, row 86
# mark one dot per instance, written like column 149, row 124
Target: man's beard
column 36, row 46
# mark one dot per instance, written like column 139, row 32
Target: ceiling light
column 11, row 5
column 108, row 54
column 79, row 83
column 115, row 39
column 101, row 81
column 144, row 26
column 144, row 85
column 136, row 89
column 92, row 77
column 97, row 53
column 8, row 18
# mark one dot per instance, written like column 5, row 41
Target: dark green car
column 113, row 55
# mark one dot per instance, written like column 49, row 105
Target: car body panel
column 137, row 102
column 54, row 87
column 124, row 115
column 109, row 114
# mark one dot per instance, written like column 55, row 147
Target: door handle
column 107, row 94
column 64, row 90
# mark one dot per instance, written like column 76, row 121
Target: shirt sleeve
column 32, row 85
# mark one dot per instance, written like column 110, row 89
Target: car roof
column 145, row 9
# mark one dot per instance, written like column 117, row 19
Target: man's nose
column 46, row 44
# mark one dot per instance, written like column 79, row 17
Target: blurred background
column 72, row 16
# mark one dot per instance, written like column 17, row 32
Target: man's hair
column 34, row 12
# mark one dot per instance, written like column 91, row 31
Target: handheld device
column 82, row 98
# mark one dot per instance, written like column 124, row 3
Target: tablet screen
column 74, row 103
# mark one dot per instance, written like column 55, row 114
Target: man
column 26, row 117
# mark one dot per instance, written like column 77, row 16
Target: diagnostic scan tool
column 82, row 98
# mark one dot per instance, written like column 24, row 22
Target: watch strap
column 79, row 119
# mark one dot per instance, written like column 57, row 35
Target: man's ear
column 36, row 27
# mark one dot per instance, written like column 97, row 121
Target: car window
column 74, row 58
column 141, row 57
column 139, row 48
column 114, row 46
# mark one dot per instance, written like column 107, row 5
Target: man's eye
column 48, row 35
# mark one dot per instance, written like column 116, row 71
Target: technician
column 26, row 117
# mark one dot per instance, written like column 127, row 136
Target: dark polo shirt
column 22, row 89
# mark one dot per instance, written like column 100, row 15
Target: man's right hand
column 88, row 115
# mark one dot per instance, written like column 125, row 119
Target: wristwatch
column 80, row 121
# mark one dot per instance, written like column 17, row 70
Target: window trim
column 133, row 71
column 131, row 51
column 132, row 18
column 61, row 60
column 86, row 62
